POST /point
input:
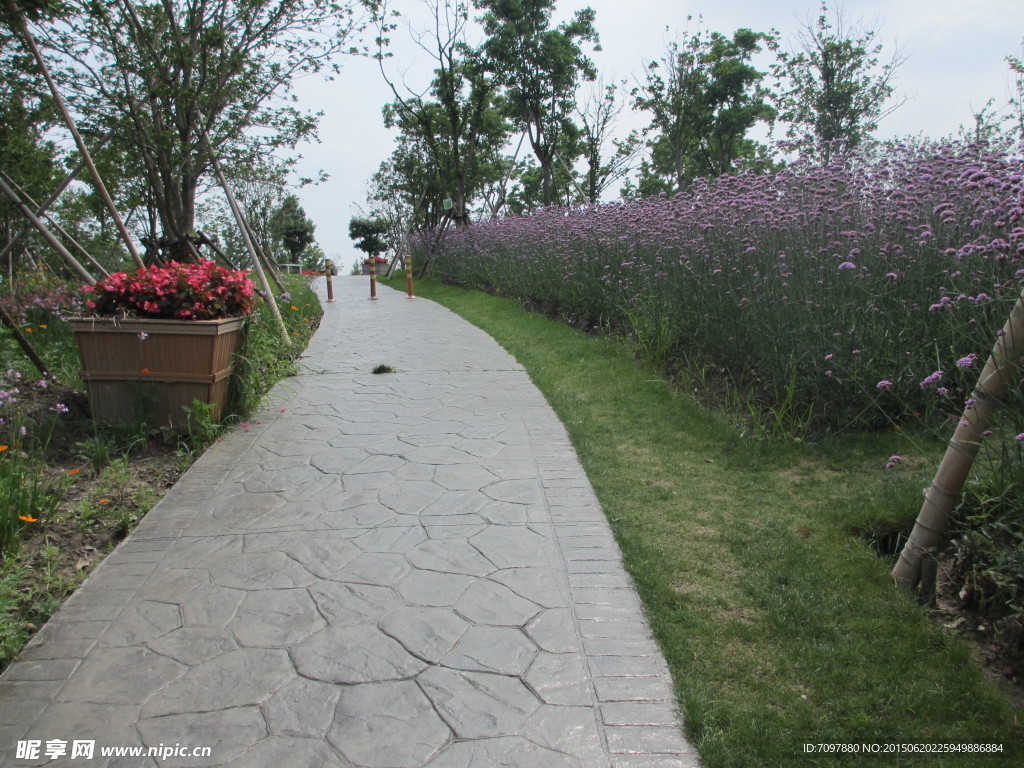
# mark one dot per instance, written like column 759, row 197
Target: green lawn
column 781, row 625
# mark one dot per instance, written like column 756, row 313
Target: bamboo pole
column 15, row 241
column 267, row 292
column 70, row 260
column 263, row 255
column 208, row 242
column 41, row 211
column 940, row 499
column 24, row 343
column 79, row 142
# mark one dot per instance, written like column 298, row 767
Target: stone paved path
column 408, row 569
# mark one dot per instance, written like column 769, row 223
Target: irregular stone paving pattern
column 379, row 571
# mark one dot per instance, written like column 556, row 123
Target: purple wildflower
column 968, row 361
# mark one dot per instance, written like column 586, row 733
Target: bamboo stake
column 262, row 254
column 941, row 497
column 70, row 260
column 205, row 240
column 79, row 142
column 41, row 211
column 267, row 292
column 15, row 241
column 23, row 342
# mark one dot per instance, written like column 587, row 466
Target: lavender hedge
column 869, row 291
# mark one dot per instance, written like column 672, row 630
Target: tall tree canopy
column 165, row 73
column 836, row 86
column 456, row 121
column 703, row 95
column 539, row 67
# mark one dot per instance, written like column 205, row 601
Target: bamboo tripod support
column 941, row 497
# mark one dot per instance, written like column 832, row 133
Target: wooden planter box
column 132, row 378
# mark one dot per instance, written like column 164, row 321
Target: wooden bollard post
column 329, row 271
column 408, row 275
column 373, row 280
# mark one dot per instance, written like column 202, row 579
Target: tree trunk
column 941, row 497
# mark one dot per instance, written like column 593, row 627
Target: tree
column 369, row 235
column 290, row 227
column 837, row 89
column 704, row 95
column 455, row 122
column 605, row 165
column 539, row 67
column 162, row 75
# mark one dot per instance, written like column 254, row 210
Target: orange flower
column 104, row 501
column 28, row 518
column 4, row 447
column 43, row 326
column 74, row 471
column 145, row 371
column 28, row 330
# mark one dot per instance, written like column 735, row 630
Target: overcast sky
column 955, row 61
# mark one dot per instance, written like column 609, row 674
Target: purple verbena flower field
column 871, row 291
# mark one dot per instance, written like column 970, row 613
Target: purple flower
column 884, row 384
column 60, row 408
column 143, row 335
column 968, row 361
column 929, row 380
column 1020, row 438
column 847, row 265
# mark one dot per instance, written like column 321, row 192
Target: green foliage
column 290, row 226
column 169, row 74
column 27, row 156
column 703, row 96
column 27, row 495
column 369, row 235
column 264, row 359
column 988, row 541
column 539, row 67
column 837, row 87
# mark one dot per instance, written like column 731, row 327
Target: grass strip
column 780, row 624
